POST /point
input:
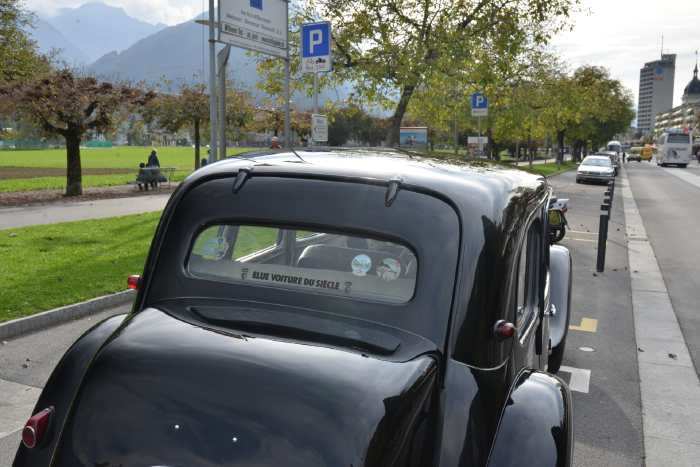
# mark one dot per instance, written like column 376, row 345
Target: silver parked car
column 595, row 169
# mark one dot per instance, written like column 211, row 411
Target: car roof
column 598, row 156
column 460, row 181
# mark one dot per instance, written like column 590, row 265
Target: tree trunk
column 491, row 145
column 392, row 137
column 74, row 173
column 197, row 143
column 560, row 142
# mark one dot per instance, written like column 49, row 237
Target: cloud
column 622, row 35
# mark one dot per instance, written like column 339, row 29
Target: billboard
column 413, row 137
column 257, row 25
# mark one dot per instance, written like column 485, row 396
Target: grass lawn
column 48, row 266
column 118, row 157
column 59, row 183
column 121, row 157
column 549, row 169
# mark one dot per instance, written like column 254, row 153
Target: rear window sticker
column 389, row 270
column 214, row 248
column 361, row 264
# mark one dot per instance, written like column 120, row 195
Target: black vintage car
column 328, row 308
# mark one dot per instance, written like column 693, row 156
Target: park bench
column 160, row 174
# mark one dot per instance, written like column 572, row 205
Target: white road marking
column 684, row 175
column 669, row 387
column 580, row 378
column 582, row 232
column 583, row 240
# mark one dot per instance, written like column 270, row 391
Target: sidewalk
column 67, row 211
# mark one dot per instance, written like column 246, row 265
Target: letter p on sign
column 315, row 39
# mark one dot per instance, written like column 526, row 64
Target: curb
column 63, row 314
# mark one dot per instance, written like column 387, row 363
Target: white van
column 673, row 149
column 614, row 146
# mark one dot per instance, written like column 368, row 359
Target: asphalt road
column 670, row 209
column 607, row 419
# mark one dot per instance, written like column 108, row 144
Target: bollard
column 602, row 236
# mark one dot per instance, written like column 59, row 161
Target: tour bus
column 673, row 148
column 614, row 146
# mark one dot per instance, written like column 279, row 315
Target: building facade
column 655, row 91
column 687, row 115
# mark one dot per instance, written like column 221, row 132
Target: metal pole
column 602, row 236
column 223, row 63
column 212, row 83
column 287, row 97
column 481, row 145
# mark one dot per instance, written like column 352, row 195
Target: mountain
column 96, row 28
column 178, row 53
column 50, row 40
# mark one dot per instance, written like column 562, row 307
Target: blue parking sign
column 480, row 105
column 315, row 39
column 479, row 101
column 316, row 47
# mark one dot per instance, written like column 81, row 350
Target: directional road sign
column 316, row 47
column 319, row 128
column 480, row 105
column 259, row 25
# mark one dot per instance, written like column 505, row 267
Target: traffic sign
column 482, row 140
column 319, row 128
column 258, row 25
column 480, row 105
column 316, row 47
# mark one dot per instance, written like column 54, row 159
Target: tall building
column 655, row 91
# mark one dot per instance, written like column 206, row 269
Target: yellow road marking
column 587, row 325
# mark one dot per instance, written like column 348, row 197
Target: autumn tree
column 19, row 58
column 188, row 108
column 392, row 46
column 61, row 103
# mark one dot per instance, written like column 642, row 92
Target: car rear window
column 600, row 162
column 678, row 138
column 307, row 261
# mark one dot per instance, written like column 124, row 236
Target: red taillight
column 504, row 329
column 133, row 282
column 36, row 427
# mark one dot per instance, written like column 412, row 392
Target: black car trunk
column 167, row 393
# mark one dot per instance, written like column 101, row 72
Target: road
column 66, row 211
column 607, row 418
column 602, row 360
column 671, row 213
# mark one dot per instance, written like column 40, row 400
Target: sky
column 620, row 35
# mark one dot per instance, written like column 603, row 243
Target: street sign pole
column 315, row 58
column 212, row 83
column 287, row 97
column 223, row 57
column 481, row 144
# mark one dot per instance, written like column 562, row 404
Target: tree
column 18, row 54
column 61, row 103
column 188, row 108
column 393, row 46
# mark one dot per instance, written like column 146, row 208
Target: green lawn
column 549, row 169
column 59, row 183
column 118, row 157
column 122, row 157
column 48, row 266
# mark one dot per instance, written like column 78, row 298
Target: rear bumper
column 594, row 177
